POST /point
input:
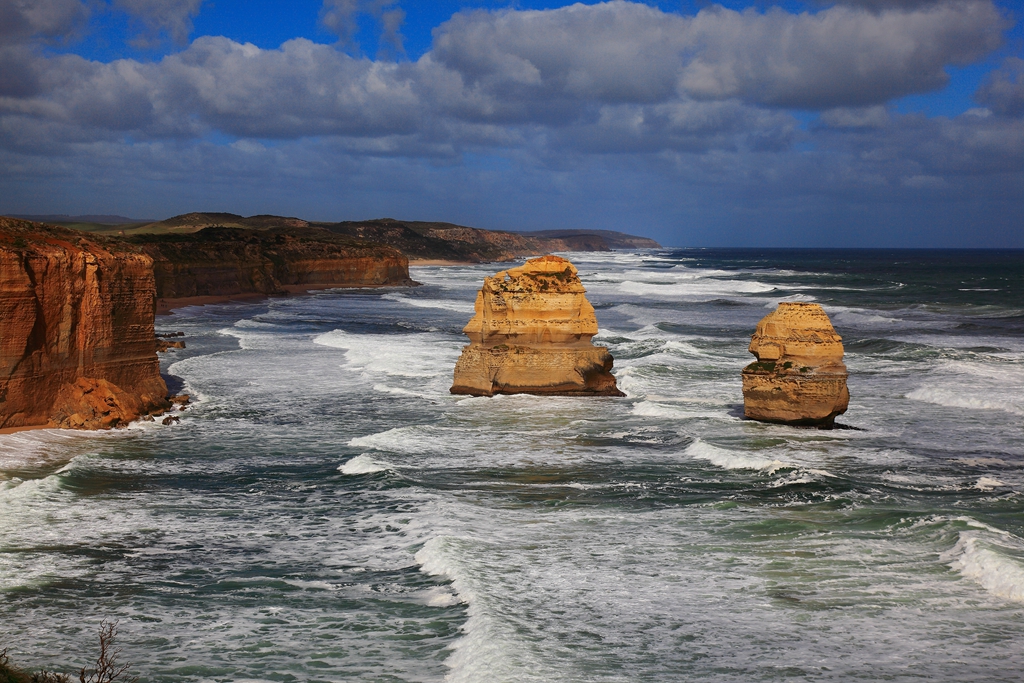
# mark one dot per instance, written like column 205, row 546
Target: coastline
column 438, row 262
column 167, row 306
column 26, row 428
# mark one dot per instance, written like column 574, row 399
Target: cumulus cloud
column 1003, row 89
column 162, row 17
column 342, row 18
column 880, row 5
column 838, row 57
column 22, row 19
column 705, row 98
column 25, row 20
column 626, row 52
column 572, row 65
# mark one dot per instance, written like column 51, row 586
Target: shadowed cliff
column 221, row 261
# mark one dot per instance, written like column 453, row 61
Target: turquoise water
column 326, row 511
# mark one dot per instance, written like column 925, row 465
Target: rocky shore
column 77, row 343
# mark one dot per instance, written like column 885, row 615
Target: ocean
column 327, row 511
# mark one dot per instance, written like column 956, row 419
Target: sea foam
column 409, row 355
column 363, row 464
column 443, row 304
column 733, row 460
column 482, row 653
column 989, row 563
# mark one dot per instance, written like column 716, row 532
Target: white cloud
column 1003, row 89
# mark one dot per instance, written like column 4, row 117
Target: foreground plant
column 106, row 670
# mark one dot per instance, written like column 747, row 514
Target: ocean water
column 327, row 511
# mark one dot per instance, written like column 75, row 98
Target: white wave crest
column 651, row 409
column 363, row 464
column 480, row 654
column 398, row 440
column 699, row 289
column 960, row 397
column 989, row 564
column 460, row 306
column 859, row 317
column 988, row 483
column 774, row 303
column 412, row 355
column 733, row 460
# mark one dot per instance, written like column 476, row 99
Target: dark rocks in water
column 162, row 345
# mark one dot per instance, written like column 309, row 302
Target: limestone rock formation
column 229, row 261
column 531, row 335
column 799, row 377
column 76, row 330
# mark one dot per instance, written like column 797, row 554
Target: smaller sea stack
column 531, row 335
column 799, row 377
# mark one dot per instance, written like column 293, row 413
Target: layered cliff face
column 799, row 376
column 425, row 240
column 76, row 330
column 531, row 334
column 229, row 261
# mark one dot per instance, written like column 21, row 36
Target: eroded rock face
column 76, row 330
column 531, row 335
column 228, row 261
column 799, row 376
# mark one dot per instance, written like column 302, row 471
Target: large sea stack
column 799, row 377
column 531, row 335
column 76, row 330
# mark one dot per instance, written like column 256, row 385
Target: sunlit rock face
column 76, row 330
column 531, row 335
column 799, row 377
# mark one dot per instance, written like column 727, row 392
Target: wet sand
column 15, row 430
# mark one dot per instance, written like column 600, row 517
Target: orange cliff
column 76, row 330
column 531, row 335
column 799, row 376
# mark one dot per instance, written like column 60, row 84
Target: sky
column 855, row 123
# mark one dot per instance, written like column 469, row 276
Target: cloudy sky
column 848, row 123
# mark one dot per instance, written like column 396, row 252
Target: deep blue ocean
column 327, row 511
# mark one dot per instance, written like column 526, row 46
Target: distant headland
column 418, row 240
